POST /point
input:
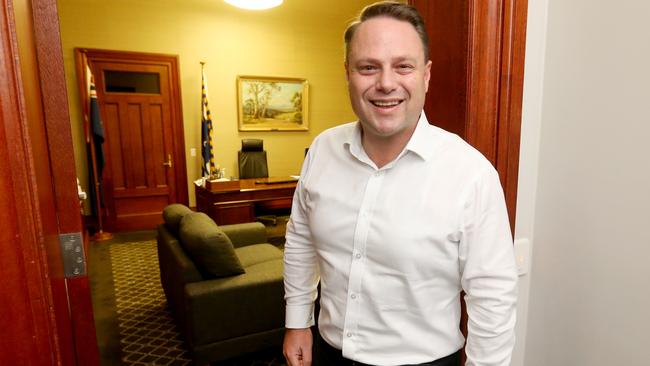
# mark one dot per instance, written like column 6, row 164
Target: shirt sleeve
column 489, row 275
column 301, row 274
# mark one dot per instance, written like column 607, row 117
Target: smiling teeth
column 386, row 104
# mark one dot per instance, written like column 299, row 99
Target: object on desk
column 200, row 182
column 275, row 180
column 218, row 173
column 222, row 185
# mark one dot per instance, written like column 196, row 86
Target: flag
column 207, row 151
column 96, row 132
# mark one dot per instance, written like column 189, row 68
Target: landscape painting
column 272, row 104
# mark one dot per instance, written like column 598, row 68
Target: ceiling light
column 254, row 4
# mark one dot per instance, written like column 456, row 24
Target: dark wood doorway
column 139, row 99
column 477, row 51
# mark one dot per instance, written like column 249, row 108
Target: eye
column 404, row 68
column 367, row 69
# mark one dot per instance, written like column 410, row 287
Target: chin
column 387, row 131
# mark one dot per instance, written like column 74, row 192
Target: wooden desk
column 235, row 201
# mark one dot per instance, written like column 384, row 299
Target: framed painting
column 272, row 103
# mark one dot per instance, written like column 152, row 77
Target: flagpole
column 207, row 165
column 202, row 142
column 100, row 235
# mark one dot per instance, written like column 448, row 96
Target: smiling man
column 395, row 217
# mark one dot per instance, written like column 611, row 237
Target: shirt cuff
column 299, row 316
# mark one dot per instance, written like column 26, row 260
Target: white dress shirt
column 394, row 247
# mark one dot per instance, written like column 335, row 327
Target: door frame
column 55, row 325
column 86, row 56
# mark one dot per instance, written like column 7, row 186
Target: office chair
column 252, row 159
column 253, row 164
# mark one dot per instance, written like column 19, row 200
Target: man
column 396, row 217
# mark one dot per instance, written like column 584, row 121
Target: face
column 387, row 77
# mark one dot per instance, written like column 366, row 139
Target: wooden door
column 46, row 316
column 139, row 101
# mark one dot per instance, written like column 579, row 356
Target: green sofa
column 223, row 284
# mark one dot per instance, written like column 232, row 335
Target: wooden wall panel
column 447, row 27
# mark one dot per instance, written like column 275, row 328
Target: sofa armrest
column 245, row 234
column 235, row 306
column 176, row 269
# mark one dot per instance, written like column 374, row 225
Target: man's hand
column 298, row 346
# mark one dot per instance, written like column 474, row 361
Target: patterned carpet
column 148, row 335
column 146, row 331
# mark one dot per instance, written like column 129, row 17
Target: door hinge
column 72, row 254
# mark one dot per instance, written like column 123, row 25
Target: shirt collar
column 421, row 142
column 352, row 142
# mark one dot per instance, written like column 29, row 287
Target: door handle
column 169, row 161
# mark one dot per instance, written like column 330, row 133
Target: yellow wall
column 302, row 39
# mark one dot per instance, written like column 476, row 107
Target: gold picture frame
column 272, row 103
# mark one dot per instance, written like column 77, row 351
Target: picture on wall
column 272, row 103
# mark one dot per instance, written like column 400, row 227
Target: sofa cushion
column 209, row 248
column 257, row 253
column 172, row 214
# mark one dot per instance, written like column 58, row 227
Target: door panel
column 135, row 100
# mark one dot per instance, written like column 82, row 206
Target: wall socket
column 192, row 152
column 522, row 255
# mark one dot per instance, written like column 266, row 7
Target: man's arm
column 301, row 278
column 489, row 275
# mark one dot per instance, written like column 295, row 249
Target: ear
column 427, row 75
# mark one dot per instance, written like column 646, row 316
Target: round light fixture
column 254, row 4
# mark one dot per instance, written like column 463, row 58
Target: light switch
column 192, row 152
column 522, row 255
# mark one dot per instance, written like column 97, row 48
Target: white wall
column 529, row 155
column 585, row 184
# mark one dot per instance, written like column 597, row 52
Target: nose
column 386, row 81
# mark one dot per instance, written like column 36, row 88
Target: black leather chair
column 252, row 159
column 253, row 164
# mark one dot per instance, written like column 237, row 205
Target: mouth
column 387, row 103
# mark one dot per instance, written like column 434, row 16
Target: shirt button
column 353, row 296
column 349, row 334
column 358, row 256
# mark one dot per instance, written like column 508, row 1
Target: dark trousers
column 326, row 355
